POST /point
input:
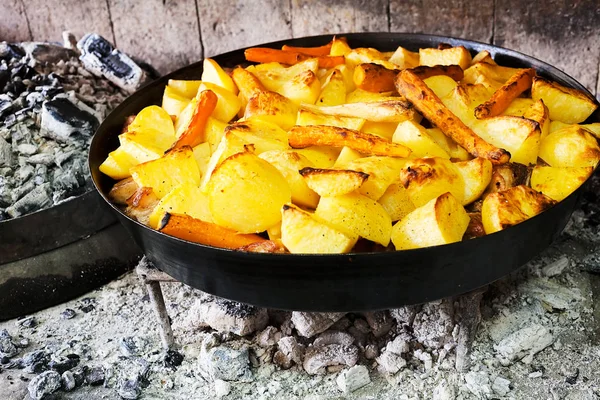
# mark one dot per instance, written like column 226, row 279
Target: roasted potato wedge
column 333, row 92
column 428, row 178
column 302, row 233
column 382, row 172
column 476, row 174
column 452, row 56
column 185, row 199
column 333, row 182
column 558, row 182
column 396, row 201
column 440, row 221
column 509, row 207
column 572, row 146
column 564, row 104
column 417, row 139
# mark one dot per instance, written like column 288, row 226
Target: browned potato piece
column 428, row 178
column 333, row 182
column 122, row 191
column 453, row 71
column 517, row 84
column 559, row 182
column 504, row 209
column 417, row 92
column 445, row 56
column 304, row 136
column 572, row 146
column 567, row 105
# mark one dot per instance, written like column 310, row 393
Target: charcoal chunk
column 44, row 384
column 101, row 58
column 6, row 157
column 35, row 200
column 61, row 119
column 95, row 376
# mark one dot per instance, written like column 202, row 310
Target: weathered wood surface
column 164, row 33
column 316, row 17
column 172, row 33
column 563, row 33
column 49, row 18
column 13, row 23
column 231, row 25
column 459, row 18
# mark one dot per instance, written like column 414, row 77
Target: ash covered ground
column 538, row 338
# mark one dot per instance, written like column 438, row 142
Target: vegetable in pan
column 333, row 150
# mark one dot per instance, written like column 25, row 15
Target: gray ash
column 50, row 107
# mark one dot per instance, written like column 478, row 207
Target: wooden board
column 564, row 34
column 14, row 26
column 315, row 17
column 231, row 25
column 49, row 18
column 458, row 18
column 164, row 33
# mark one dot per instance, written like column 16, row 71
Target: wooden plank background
column 173, row 33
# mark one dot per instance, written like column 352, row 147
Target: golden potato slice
column 416, row 138
column 518, row 107
column 185, row 199
column 320, row 156
column 272, row 107
column 118, row 163
column 368, row 55
column 463, row 100
column 594, row 128
column 497, row 73
column 383, row 129
column 441, row 85
column 263, row 134
column 289, row 163
column 381, row 111
column 246, row 193
column 559, row 182
column 173, row 102
column 452, row 56
column 520, row 136
column 483, row 56
column 213, row 73
column 176, row 167
column 229, row 145
column 214, row 131
column 501, row 210
column 303, row 136
column 440, row 221
column 363, row 96
column 396, row 201
column 185, row 88
column 306, row 117
column 333, row 182
column 539, row 113
column 428, row 178
column 450, row 146
column 228, row 103
column 153, row 118
column 301, row 233
column 333, row 92
column 564, row 104
column 355, row 214
column 202, row 156
column 346, row 155
column 404, row 58
column 572, row 146
column 382, row 172
column 477, row 175
column 198, row 231
column 339, row 47
column 298, row 82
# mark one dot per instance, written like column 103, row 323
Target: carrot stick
column 500, row 100
column 194, row 133
column 198, row 231
column 310, row 51
column 267, row 55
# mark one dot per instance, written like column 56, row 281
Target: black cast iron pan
column 345, row 282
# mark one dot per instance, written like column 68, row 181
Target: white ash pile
column 52, row 99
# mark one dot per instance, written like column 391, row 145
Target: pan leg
column 160, row 310
column 469, row 304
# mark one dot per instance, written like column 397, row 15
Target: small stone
column 524, row 344
column 44, row 384
column 227, row 316
column 371, row 352
column 7, row 347
column 317, row 359
column 390, row 363
column 268, row 337
column 79, row 375
column 225, row 363
column 68, row 313
column 68, row 381
column 129, row 389
column 380, row 322
column 333, row 337
column 398, row 346
column 478, row 383
column 310, row 324
column 95, row 376
column 173, row 359
column 34, row 357
column 571, row 376
column 501, row 386
column 64, row 363
column 353, row 378
column 222, row 388
column 133, row 345
column 87, row 305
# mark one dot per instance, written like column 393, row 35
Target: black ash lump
column 52, row 99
